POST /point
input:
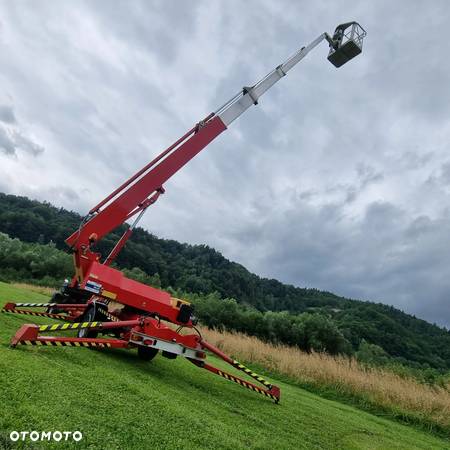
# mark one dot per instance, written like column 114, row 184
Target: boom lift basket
column 346, row 44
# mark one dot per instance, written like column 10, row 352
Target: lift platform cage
column 347, row 43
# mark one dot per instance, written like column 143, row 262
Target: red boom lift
column 100, row 299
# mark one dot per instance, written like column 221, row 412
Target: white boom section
column 249, row 96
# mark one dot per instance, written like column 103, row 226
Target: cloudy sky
column 339, row 179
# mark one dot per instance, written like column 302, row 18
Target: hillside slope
column 200, row 269
column 119, row 402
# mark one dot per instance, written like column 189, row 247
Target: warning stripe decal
column 67, row 343
column 34, row 313
column 249, row 372
column 36, row 305
column 70, row 326
column 108, row 315
column 247, row 385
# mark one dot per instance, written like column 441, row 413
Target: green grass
column 120, row 402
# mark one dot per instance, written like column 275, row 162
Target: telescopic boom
column 144, row 188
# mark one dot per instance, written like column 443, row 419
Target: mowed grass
column 120, row 402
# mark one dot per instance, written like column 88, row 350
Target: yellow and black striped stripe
column 34, row 313
column 247, row 385
column 67, row 343
column 70, row 326
column 36, row 305
column 108, row 315
column 249, row 372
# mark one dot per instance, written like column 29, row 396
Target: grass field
column 120, row 402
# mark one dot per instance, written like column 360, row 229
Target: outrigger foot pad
column 26, row 332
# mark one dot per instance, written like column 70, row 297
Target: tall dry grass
column 374, row 386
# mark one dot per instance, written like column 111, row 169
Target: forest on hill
column 226, row 293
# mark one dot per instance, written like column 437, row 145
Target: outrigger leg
column 271, row 390
column 71, row 311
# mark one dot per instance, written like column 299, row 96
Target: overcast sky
column 339, row 179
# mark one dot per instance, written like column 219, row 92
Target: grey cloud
column 368, row 175
column 154, row 27
column 439, row 177
column 400, row 34
column 6, row 142
column 7, row 114
column 382, row 216
column 412, row 160
column 59, row 194
column 12, row 138
column 27, row 145
column 444, row 176
column 13, row 141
